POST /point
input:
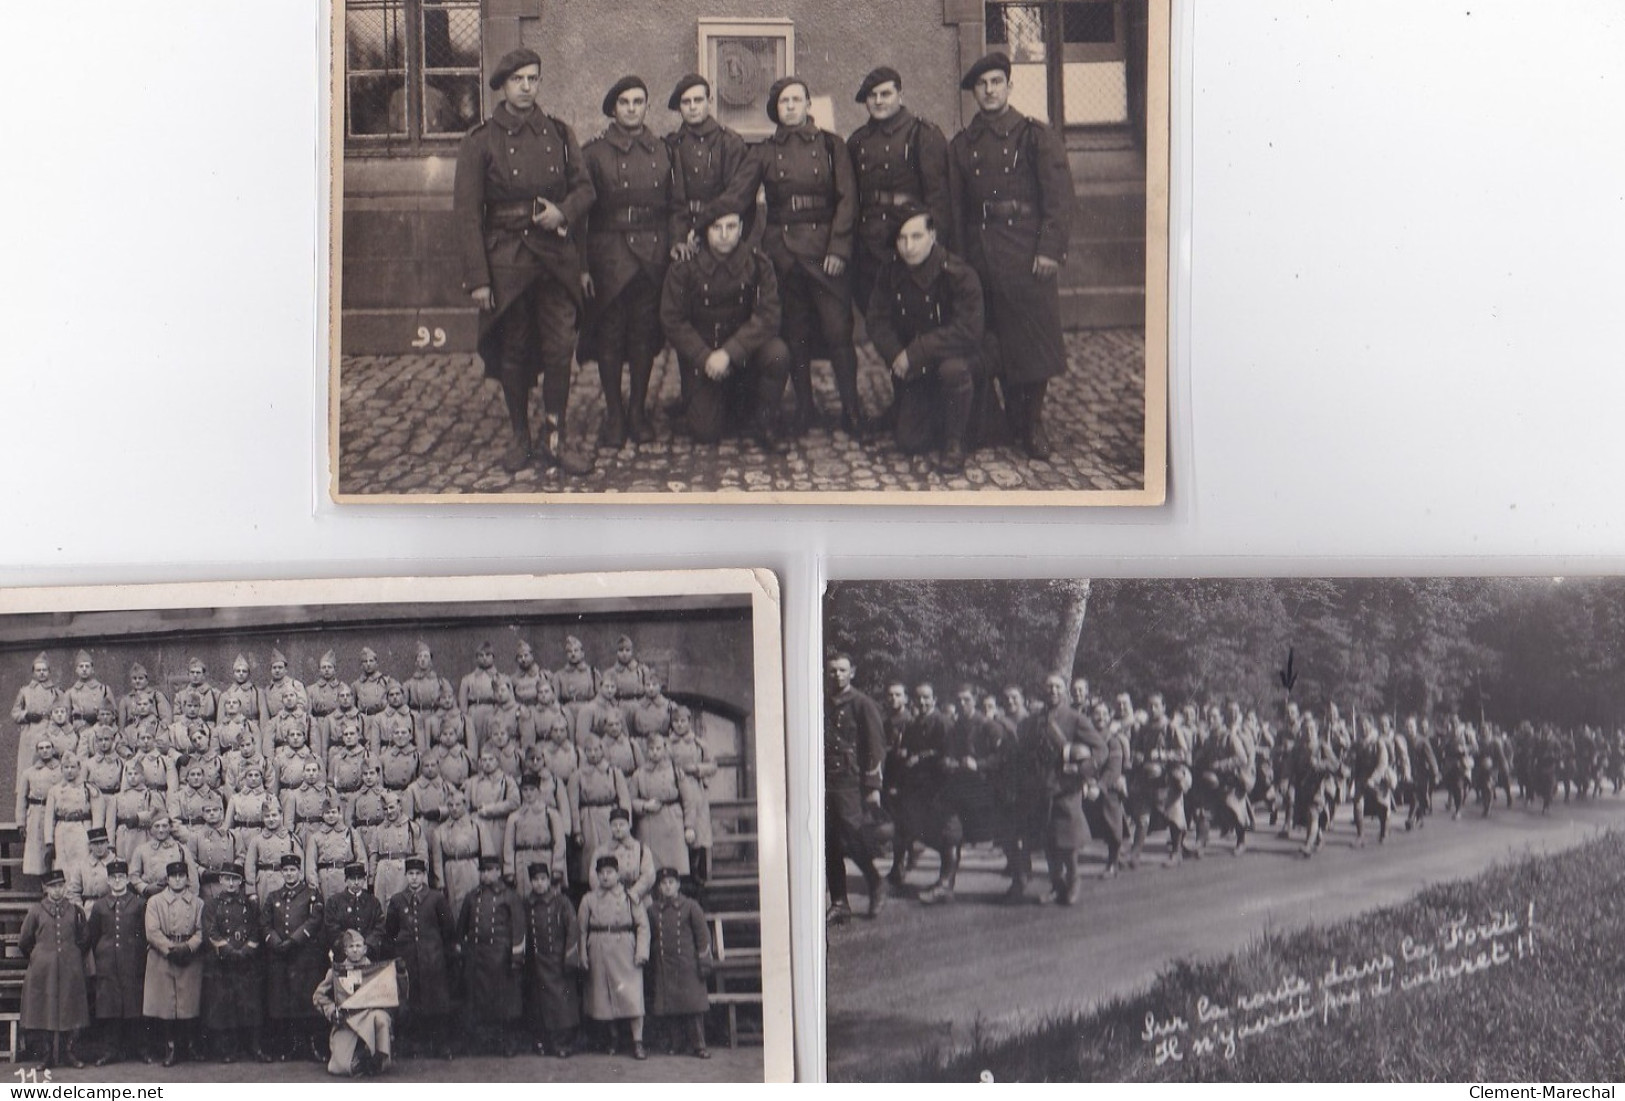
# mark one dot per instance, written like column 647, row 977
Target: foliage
column 1513, row 648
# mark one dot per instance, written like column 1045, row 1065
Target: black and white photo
column 503, row 829
column 1174, row 830
column 797, row 252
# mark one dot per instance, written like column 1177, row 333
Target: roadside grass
column 1555, row 1016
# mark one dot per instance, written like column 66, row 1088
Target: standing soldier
column 1159, row 777
column 1012, row 200
column 197, row 682
column 520, row 192
column 721, row 312
column 679, row 959
column 1072, row 752
column 597, row 789
column 576, row 680
column 89, row 877
column 231, row 968
column 614, row 949
column 477, row 694
column 638, row 223
column 32, row 710
column 454, row 851
column 141, row 688
column 553, row 956
column 812, row 208
column 372, row 686
column 420, row 932
column 118, row 950
column 491, row 929
column 356, row 908
column 34, row 786
column 330, row 849
column 535, row 833
column 86, row 694
column 324, row 691
column 925, row 318
column 281, row 682
column 251, row 702
column 854, row 748
column 293, row 937
column 263, row 850
column 392, row 844
column 149, row 866
column 53, row 938
column 174, row 978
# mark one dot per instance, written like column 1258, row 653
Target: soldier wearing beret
column 1012, row 198
column 925, row 317
column 638, row 224
column 811, row 212
column 709, row 158
column 419, row 931
column 854, row 751
column 720, row 311
column 521, row 191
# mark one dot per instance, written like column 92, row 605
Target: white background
column 1398, row 233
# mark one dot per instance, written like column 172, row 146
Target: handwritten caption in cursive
column 1462, row 947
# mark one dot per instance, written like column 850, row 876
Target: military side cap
column 117, row 867
column 54, row 876
column 666, row 873
column 540, row 870
column 692, row 80
column 175, row 867
column 994, row 60
column 777, row 90
column 96, row 834
column 876, row 78
column 489, row 862
column 625, row 84
column 511, row 63
column 355, row 871
column 622, row 813
column 606, row 862
column 289, row 860
column 416, row 864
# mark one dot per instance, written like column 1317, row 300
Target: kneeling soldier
column 720, row 311
column 925, row 318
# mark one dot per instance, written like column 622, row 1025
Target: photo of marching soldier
column 918, row 251
column 351, row 867
column 1197, row 830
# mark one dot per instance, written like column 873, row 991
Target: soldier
column 615, row 949
column 356, row 908
column 330, row 850
column 925, row 318
column 812, row 208
column 141, row 688
column 854, row 747
column 521, row 192
column 633, row 858
column 597, row 789
column 251, row 702
column 346, row 762
column 1374, row 782
column 86, row 694
column 104, row 767
column 302, row 806
column 477, row 693
column 106, row 723
column 231, row 969
column 594, row 716
column 32, row 710
column 281, row 682
column 1223, row 779
column 420, row 932
column 698, row 767
column 454, row 851
column 88, row 876
column 425, row 798
column 491, row 930
column 558, row 750
column 263, row 850
column 118, row 952
column 679, row 960
column 132, row 813
column 721, row 311
column 197, row 682
column 34, row 786
column 372, row 686
column 665, row 807
column 535, row 833
column 323, row 692
column 236, row 729
column 652, row 713
column 293, row 937
column 492, row 798
column 1012, row 199
column 507, row 729
column 150, row 864
column 1072, row 752
column 638, row 223
column 177, row 737
column 245, row 810
column 528, row 682
column 53, row 938
column 552, row 960
column 1159, row 777
column 1424, row 775
column 212, row 848
column 73, row 807
column 393, row 842
column 376, row 729
column 367, row 805
column 361, row 1040
column 1315, row 769
column 451, row 757
column 900, row 161
column 575, row 680
column 174, row 980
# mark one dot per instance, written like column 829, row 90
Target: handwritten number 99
column 425, row 338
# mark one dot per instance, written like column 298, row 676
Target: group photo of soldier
column 1188, row 739
column 361, row 846
column 698, row 282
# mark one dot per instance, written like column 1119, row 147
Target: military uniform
column 576, row 685
column 358, row 910
column 491, row 926
column 491, row 799
column 262, row 860
column 679, row 957
column 327, row 853
column 535, row 834
column 388, row 849
column 477, row 697
column 662, row 829
column 552, row 960
column 728, row 303
column 932, row 312
column 174, row 978
column 293, row 938
column 634, row 862
column 898, row 163
column 614, row 939
column 639, row 213
column 1012, row 198
column 854, row 750
column 232, row 986
column 420, row 932
column 454, row 855
column 54, row 937
column 85, row 698
column 595, row 791
column 118, row 947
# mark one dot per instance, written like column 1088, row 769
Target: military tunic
column 358, row 910
column 419, row 929
column 562, row 758
column 595, row 790
column 679, row 954
column 898, row 162
column 262, row 853
column 710, row 158
column 33, row 789
column 691, row 756
column 85, row 698
column 491, row 799
column 231, row 965
column 54, row 936
column 614, row 936
column 490, row 925
column 535, row 835
column 662, row 829
column 251, row 702
column 388, row 848
column 31, row 711
column 118, row 947
column 71, row 810
column 173, row 988
column 635, row 863
column 370, row 692
column 854, row 752
column 293, row 938
column 1012, row 198
column 552, row 958
column 577, row 685
column 327, row 852
column 455, row 857
column 133, row 810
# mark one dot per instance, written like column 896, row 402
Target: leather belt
column 888, row 198
column 1007, row 210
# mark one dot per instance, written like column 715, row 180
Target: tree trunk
column 1075, row 597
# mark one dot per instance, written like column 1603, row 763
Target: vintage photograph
column 1301, row 830
column 792, row 251
column 503, row 829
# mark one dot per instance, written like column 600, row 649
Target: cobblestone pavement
column 434, row 424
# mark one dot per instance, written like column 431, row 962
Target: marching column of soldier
column 1049, row 772
column 528, row 844
column 949, row 249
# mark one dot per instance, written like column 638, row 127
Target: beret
column 511, row 63
column 905, row 214
column 995, row 60
column 712, row 211
column 777, row 90
column 877, row 77
column 692, row 80
column 626, row 83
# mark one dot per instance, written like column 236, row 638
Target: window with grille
column 411, row 73
column 1068, row 56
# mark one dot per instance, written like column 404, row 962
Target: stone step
column 1102, row 307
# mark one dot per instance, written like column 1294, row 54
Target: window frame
column 416, row 73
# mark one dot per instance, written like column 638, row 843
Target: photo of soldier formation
column 223, row 866
column 948, row 249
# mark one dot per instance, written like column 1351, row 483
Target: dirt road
column 920, row 978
